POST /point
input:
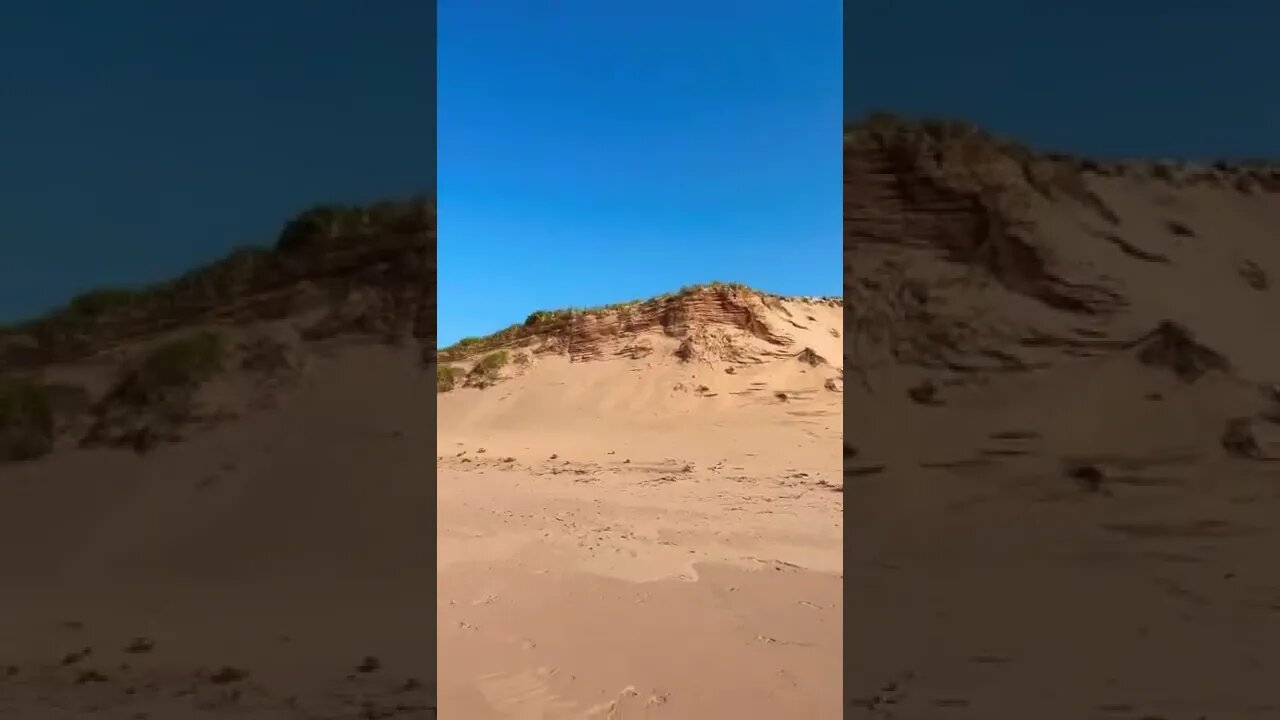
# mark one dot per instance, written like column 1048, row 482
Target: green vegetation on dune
column 446, row 378
column 492, row 362
column 30, row 412
column 96, row 302
column 184, row 361
column 173, row 369
column 325, row 224
column 246, row 269
column 26, row 421
column 486, row 370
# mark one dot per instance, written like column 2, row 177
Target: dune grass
column 492, row 362
column 111, row 311
column 168, row 372
column 26, row 420
column 446, row 378
column 187, row 360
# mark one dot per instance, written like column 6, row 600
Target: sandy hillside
column 215, row 495
column 640, row 512
column 1063, row 424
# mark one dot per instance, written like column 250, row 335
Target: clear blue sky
column 142, row 138
column 1144, row 78
column 595, row 151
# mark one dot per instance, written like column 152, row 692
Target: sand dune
column 640, row 514
column 1063, row 424
column 216, row 500
column 215, row 494
column 1061, row 434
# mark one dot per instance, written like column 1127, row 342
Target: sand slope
column 250, row 541
column 289, row 544
column 622, row 507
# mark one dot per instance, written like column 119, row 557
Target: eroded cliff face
column 961, row 192
column 706, row 318
column 967, row 252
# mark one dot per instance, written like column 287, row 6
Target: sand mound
column 706, row 329
column 711, row 360
column 218, row 465
column 648, row 461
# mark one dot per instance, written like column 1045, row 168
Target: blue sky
column 593, row 152
column 1149, row 78
column 143, row 138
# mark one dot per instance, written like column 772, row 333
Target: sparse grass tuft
column 485, row 372
column 493, row 362
column 538, row 317
column 97, row 302
column 26, row 421
column 446, row 378
column 183, row 362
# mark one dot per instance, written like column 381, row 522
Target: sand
column 633, row 520
column 1061, row 439
column 288, row 546
column 644, row 537
column 1062, row 527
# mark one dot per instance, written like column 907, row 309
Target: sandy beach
column 646, row 537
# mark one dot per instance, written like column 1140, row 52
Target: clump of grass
column 26, row 421
column 485, row 372
column 542, row 317
column 103, row 300
column 492, row 362
column 539, row 317
column 179, row 364
column 713, row 285
column 329, row 223
column 157, row 395
column 446, row 378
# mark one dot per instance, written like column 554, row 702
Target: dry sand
column 287, row 545
column 638, row 516
column 1061, row 434
column 1071, row 523
column 644, row 536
